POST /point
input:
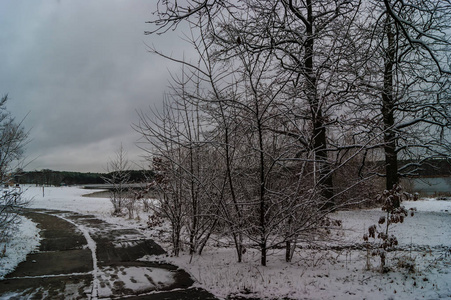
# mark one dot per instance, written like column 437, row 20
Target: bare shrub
column 382, row 240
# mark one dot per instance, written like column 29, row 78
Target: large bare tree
column 299, row 90
column 261, row 178
column 309, row 43
column 408, row 82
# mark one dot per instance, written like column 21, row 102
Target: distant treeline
column 58, row 178
column 429, row 168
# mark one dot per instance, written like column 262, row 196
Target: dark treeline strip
column 58, row 178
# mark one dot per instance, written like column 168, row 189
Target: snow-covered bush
column 407, row 263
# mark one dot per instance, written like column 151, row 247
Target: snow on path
column 104, row 278
column 93, row 247
column 313, row 274
column 134, row 278
column 71, row 199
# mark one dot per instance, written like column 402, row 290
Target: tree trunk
column 238, row 246
column 237, row 235
column 388, row 104
column 288, row 251
column 176, row 237
column 262, row 192
column 319, row 130
column 288, row 246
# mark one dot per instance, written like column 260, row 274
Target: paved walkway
column 82, row 257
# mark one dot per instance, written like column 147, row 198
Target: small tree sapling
column 118, row 177
column 383, row 241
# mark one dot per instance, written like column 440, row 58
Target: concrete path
column 82, row 257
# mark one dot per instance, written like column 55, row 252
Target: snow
column 67, row 198
column 70, row 198
column 317, row 274
column 424, row 228
column 133, row 278
column 26, row 239
column 93, row 247
column 430, row 205
column 422, row 270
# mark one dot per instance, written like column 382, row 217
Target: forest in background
column 429, row 168
column 59, row 178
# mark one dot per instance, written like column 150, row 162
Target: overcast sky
column 80, row 70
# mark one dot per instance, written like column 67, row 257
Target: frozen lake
column 429, row 185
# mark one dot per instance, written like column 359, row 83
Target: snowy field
column 422, row 270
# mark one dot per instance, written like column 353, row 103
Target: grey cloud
column 81, row 70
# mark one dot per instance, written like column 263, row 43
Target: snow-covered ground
column 421, row 271
column 25, row 240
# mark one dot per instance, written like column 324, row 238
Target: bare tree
column 275, row 81
column 170, row 205
column 118, row 169
column 261, row 179
column 13, row 139
column 309, row 41
column 175, row 142
column 407, row 83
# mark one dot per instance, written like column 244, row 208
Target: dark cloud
column 80, row 69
